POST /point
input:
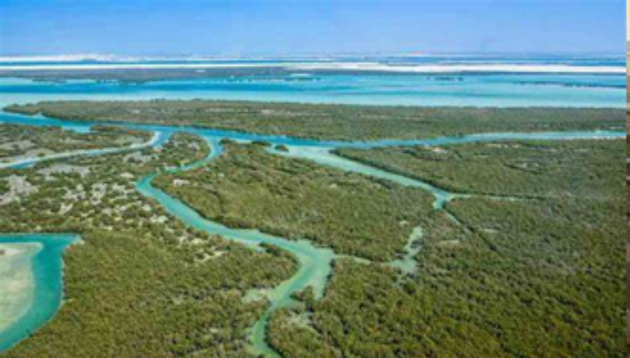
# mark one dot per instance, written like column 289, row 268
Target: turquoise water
column 323, row 156
column 158, row 139
column 477, row 90
column 315, row 263
column 166, row 131
column 408, row 264
column 498, row 90
column 47, row 267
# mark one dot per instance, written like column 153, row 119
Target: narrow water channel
column 314, row 263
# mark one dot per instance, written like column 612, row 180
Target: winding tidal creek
column 31, row 264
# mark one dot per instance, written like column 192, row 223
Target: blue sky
column 247, row 27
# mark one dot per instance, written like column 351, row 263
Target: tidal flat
column 17, row 281
column 32, row 282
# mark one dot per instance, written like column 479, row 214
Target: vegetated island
column 331, row 122
column 23, row 142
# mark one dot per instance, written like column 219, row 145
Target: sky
column 284, row 27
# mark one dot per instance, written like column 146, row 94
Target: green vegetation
column 525, row 278
column 26, row 141
column 249, row 188
column 532, row 274
column 518, row 169
column 340, row 122
column 140, row 284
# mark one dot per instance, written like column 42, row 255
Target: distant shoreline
column 328, row 66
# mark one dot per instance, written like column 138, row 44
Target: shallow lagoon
column 16, row 278
column 476, row 90
column 36, row 268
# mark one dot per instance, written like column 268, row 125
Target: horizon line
column 114, row 58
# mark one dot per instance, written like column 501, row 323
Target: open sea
column 479, row 81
